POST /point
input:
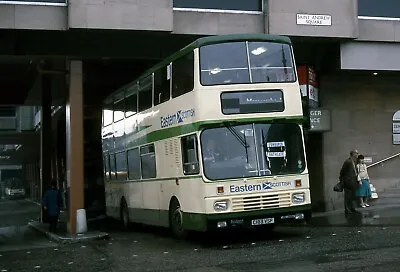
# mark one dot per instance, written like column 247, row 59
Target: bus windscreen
column 252, row 150
column 246, row 62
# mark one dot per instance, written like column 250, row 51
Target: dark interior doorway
column 314, row 152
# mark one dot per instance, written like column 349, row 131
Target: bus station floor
column 318, row 246
column 384, row 211
column 376, row 215
column 62, row 235
column 287, row 248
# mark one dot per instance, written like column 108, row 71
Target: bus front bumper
column 206, row 222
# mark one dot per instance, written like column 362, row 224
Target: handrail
column 384, row 160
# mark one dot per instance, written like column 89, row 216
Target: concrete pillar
column 32, row 181
column 54, row 170
column 74, row 143
column 38, row 181
column 36, row 173
column 45, row 136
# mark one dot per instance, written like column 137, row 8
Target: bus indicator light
column 220, row 189
column 298, row 182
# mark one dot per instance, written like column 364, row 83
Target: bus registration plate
column 265, row 221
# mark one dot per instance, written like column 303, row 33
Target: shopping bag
column 338, row 187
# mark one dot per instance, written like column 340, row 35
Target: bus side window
column 183, row 75
column 189, row 155
column 161, row 86
column 148, row 161
column 107, row 167
column 119, row 107
column 120, row 160
column 145, row 93
column 108, row 112
column 131, row 100
column 113, row 171
column 134, row 164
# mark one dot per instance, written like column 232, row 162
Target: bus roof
column 239, row 37
column 206, row 41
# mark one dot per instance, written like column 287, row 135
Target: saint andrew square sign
column 33, row 2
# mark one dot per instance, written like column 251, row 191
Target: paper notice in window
column 276, row 154
column 275, row 144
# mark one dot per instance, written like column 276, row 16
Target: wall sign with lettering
column 368, row 160
column 314, row 19
column 320, row 120
column 309, row 84
column 396, row 128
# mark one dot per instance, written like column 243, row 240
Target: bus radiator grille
column 260, row 202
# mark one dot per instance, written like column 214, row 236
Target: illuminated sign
column 320, row 120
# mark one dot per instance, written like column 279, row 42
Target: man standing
column 348, row 177
column 52, row 205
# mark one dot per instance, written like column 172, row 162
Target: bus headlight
column 221, row 205
column 298, row 198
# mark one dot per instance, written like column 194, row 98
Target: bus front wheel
column 176, row 220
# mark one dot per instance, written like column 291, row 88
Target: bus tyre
column 124, row 215
column 176, row 220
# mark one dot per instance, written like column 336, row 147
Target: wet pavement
column 367, row 247
column 17, row 212
column 286, row 249
column 20, row 238
column 14, row 231
column 376, row 215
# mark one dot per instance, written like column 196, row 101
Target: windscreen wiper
column 239, row 138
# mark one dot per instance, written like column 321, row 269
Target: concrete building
column 16, row 127
column 55, row 53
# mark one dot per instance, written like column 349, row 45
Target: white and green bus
column 210, row 138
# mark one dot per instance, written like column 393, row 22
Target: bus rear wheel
column 176, row 220
column 124, row 215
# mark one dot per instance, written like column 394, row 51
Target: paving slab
column 61, row 236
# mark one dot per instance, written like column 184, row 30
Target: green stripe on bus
column 153, row 180
column 201, row 222
column 251, row 179
column 167, row 133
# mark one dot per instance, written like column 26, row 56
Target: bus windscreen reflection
column 252, row 150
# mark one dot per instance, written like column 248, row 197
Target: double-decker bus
column 210, row 138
